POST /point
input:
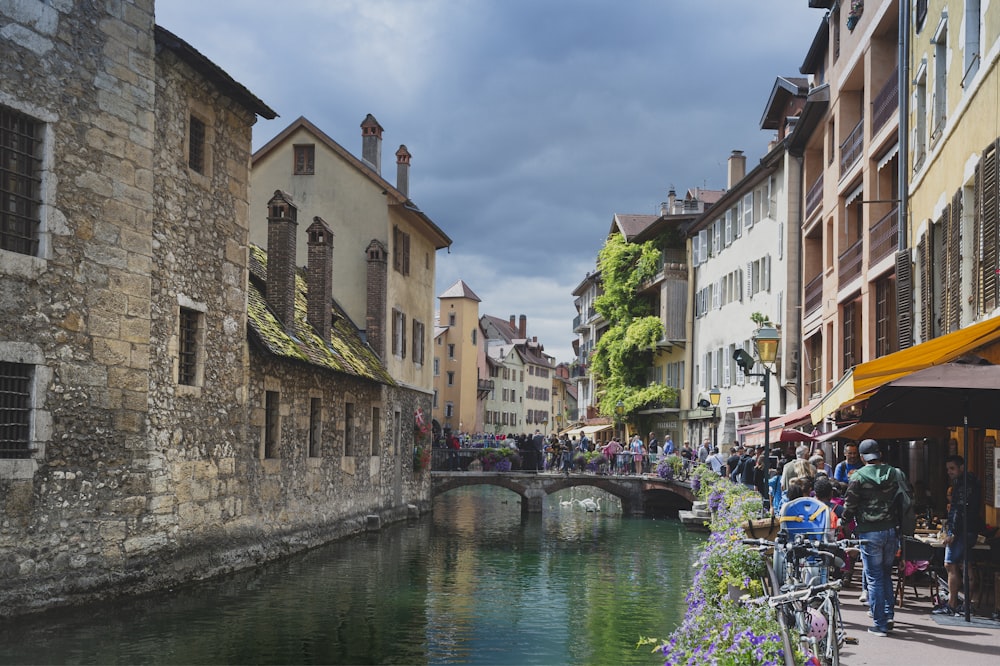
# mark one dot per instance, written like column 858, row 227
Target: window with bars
column 196, row 144
column 189, row 347
column 20, row 181
column 305, row 160
column 15, row 410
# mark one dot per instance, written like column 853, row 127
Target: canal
column 472, row 583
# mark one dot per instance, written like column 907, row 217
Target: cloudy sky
column 531, row 122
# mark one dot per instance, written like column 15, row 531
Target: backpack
column 905, row 509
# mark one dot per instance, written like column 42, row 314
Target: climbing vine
column 624, row 352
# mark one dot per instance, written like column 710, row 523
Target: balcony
column 850, row 149
column 814, row 197
column 577, row 324
column 484, row 387
column 885, row 236
column 814, row 294
column 850, row 263
column 885, row 106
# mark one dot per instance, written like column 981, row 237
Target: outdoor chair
column 919, row 564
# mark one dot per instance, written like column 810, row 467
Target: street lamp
column 619, row 411
column 765, row 341
column 714, row 396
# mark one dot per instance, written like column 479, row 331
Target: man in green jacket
column 871, row 501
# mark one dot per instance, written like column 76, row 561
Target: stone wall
column 135, row 481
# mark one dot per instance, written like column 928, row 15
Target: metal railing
column 886, row 104
column 850, row 262
column 814, row 294
column 814, row 197
column 885, row 236
column 850, row 149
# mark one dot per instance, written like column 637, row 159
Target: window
column 272, row 424
column 400, row 251
column 376, row 430
column 921, row 14
column 305, row 160
column 451, row 351
column 449, row 409
column 418, row 342
column 885, row 311
column 437, row 366
column 973, row 30
column 919, row 141
column 349, row 442
column 435, row 399
column 474, row 332
column 451, row 318
column 940, row 109
column 15, row 410
column 189, row 348
column 748, row 210
column 451, row 378
column 196, row 144
column 398, row 333
column 20, row 177
column 315, row 426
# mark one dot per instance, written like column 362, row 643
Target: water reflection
column 473, row 583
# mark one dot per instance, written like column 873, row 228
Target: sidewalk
column 917, row 639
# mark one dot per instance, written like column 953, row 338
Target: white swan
column 590, row 504
column 566, row 503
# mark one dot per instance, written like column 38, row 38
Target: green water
column 472, row 583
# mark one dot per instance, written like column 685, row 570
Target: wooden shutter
column 395, row 331
column 953, row 285
column 904, row 299
column 990, row 198
column 924, row 250
column 402, row 334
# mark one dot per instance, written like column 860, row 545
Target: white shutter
column 716, row 296
column 696, row 249
column 739, row 285
column 727, row 365
column 716, row 238
column 729, row 228
column 737, row 227
column 703, row 241
column 765, row 281
column 749, row 279
column 781, row 239
column 748, row 210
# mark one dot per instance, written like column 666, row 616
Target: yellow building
column 456, row 360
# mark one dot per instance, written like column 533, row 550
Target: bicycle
column 812, row 609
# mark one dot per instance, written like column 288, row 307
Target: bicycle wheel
column 834, row 629
column 786, row 640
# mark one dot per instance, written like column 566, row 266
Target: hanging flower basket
column 853, row 16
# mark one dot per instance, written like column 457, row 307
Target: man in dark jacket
column 871, row 500
column 964, row 523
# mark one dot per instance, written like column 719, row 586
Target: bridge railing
column 512, row 460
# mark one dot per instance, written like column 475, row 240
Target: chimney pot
column 403, row 171
column 281, row 226
column 522, row 327
column 737, row 168
column 319, row 277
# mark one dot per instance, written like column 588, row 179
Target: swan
column 566, row 503
column 590, row 504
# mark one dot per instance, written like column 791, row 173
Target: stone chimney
column 319, row 277
column 522, row 327
column 403, row 171
column 737, row 168
column 378, row 257
column 671, row 198
column 513, row 323
column 371, row 143
column 281, row 226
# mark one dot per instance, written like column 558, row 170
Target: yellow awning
column 863, row 379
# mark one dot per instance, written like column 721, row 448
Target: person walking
column 871, row 501
column 964, row 523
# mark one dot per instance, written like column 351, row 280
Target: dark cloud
column 530, row 122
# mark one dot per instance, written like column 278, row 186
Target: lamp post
column 619, row 411
column 714, row 396
column 766, row 342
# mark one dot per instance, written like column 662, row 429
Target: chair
column 919, row 564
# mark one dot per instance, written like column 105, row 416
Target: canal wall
column 167, row 427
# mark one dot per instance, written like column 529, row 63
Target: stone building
column 148, row 434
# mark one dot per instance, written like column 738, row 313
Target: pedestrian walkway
column 917, row 639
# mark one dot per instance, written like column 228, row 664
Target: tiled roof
column 460, row 290
column 503, row 327
column 630, row 225
column 345, row 352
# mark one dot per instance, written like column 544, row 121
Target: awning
column 754, row 435
column 590, row 430
column 885, row 159
column 856, row 432
column 861, row 381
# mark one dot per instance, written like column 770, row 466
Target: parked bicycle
column 805, row 600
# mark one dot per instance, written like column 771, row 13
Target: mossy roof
column 344, row 352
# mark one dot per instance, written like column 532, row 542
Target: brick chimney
column 319, row 277
column 376, row 296
column 737, row 168
column 513, row 323
column 403, row 171
column 522, row 327
column 281, row 226
column 371, row 143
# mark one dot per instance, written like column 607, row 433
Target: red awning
column 754, row 435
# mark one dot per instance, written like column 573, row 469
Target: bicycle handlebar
column 806, row 592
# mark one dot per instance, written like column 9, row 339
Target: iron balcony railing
column 885, row 106
column 885, row 236
column 814, row 294
column 850, row 263
column 850, row 149
column 814, row 197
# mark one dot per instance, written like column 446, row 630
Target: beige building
column 384, row 246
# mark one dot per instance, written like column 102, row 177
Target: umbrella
column 950, row 394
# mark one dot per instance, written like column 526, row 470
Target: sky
column 531, row 122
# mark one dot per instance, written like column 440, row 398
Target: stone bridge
column 638, row 494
